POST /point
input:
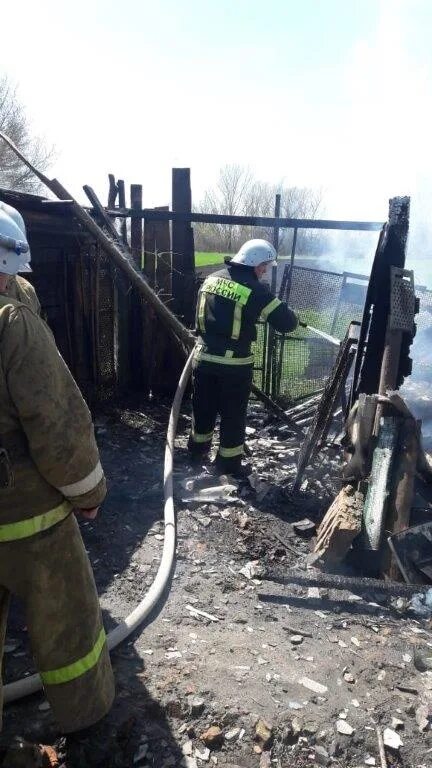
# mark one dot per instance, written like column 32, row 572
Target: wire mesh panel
column 329, row 301
column 259, row 352
column 315, row 294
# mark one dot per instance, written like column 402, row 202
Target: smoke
column 419, row 253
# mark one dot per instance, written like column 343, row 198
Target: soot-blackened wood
column 182, row 334
column 390, row 252
column 254, row 221
column 150, row 251
column 101, row 213
column 149, row 320
column 183, row 252
column 163, row 251
column 113, row 191
column 122, row 204
column 166, row 359
column 136, row 225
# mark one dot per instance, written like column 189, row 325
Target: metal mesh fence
column 296, row 365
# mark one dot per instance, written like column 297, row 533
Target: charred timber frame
column 121, row 260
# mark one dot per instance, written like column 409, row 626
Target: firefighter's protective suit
column 20, row 289
column 49, row 465
column 229, row 304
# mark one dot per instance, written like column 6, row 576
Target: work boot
column 89, row 748
column 233, row 467
column 198, row 452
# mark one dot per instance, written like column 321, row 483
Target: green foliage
column 203, row 259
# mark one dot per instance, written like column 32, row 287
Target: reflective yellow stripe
column 228, row 289
column 78, row 668
column 34, row 525
column 273, row 304
column 201, row 313
column 199, row 438
column 237, row 321
column 224, row 360
column 228, row 453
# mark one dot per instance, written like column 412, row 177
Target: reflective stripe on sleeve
column 272, row 305
column 25, row 528
column 228, row 453
column 78, row 668
column 201, row 313
column 237, row 321
column 85, row 485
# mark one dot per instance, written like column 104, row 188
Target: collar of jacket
column 241, row 271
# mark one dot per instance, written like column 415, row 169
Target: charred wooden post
column 113, row 191
column 149, row 266
column 183, row 252
column 136, row 225
column 101, row 214
column 390, row 252
column 122, row 204
column 163, row 255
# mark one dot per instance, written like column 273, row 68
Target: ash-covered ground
column 235, row 669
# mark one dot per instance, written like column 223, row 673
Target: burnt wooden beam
column 183, row 253
column 152, row 214
column 122, row 204
column 390, row 252
column 113, row 191
column 150, row 251
column 163, row 254
column 101, row 213
column 136, row 225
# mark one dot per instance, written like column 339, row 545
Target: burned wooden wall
column 77, row 290
column 111, row 340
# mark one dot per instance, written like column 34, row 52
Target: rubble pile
column 237, row 670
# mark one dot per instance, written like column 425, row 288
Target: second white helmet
column 255, row 252
column 14, row 248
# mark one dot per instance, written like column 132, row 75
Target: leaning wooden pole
column 185, row 336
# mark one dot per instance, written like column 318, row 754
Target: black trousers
column 217, row 390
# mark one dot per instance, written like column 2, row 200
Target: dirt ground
column 283, row 675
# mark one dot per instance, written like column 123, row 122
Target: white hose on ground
column 28, row 685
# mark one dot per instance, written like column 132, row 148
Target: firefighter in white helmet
column 49, row 469
column 18, row 287
column 229, row 304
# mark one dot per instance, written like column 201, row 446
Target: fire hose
column 28, row 685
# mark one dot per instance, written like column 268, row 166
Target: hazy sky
column 328, row 93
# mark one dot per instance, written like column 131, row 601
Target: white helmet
column 14, row 214
column 19, row 221
column 255, row 252
column 14, row 248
